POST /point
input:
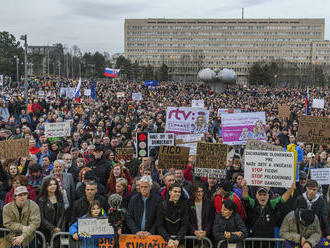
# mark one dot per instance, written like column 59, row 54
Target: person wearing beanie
column 313, row 200
column 224, row 192
column 302, row 227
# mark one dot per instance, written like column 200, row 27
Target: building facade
column 188, row 45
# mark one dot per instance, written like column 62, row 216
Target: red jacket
column 10, row 194
column 217, row 199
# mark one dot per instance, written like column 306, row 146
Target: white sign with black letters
column 137, row 96
column 94, row 227
column 318, row 103
column 161, row 139
column 322, row 175
column 209, row 172
column 269, row 168
column 197, row 103
column 57, row 129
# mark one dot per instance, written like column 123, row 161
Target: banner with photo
column 183, row 120
column 237, row 128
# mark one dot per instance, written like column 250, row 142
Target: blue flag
column 93, row 92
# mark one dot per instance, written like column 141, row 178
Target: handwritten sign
column 268, row 168
column 211, row 155
column 11, row 149
column 190, row 141
column 126, row 154
column 318, row 103
column 93, row 228
column 260, row 145
column 284, row 111
column 184, row 120
column 314, row 129
column 57, row 129
column 173, row 157
column 209, row 172
column 197, row 103
column 322, row 176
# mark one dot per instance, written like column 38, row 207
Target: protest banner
column 221, row 111
column 94, row 228
column 209, row 172
column 237, row 128
column 260, row 145
column 70, row 92
column 269, row 168
column 11, row 149
column 126, row 154
column 189, row 140
column 137, row 96
column 284, row 111
column 134, row 241
column 211, row 155
column 87, row 92
column 57, row 129
column 314, row 129
column 41, row 94
column 197, row 103
column 1, row 80
column 184, row 120
column 322, row 175
column 120, row 94
column 318, row 103
column 173, row 157
column 62, row 92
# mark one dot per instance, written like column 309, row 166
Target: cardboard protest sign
column 133, row 241
column 197, row 103
column 318, row 103
column 11, row 149
column 137, row 96
column 269, row 168
column 87, row 92
column 237, row 128
column 120, row 94
column 322, row 175
column 260, row 145
column 126, row 154
column 284, row 111
column 184, row 120
column 209, row 172
column 314, row 129
column 57, row 129
column 189, row 140
column 94, row 228
column 211, row 155
column 173, row 157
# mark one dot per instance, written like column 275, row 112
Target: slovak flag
column 111, row 72
column 307, row 103
column 76, row 94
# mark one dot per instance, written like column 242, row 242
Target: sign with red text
column 182, row 120
column 269, row 168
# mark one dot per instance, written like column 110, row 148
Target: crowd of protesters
column 68, row 178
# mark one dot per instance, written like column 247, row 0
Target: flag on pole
column 109, row 72
column 307, row 102
column 76, row 94
column 93, row 92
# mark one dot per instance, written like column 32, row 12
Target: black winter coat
column 51, row 218
column 172, row 219
column 233, row 224
column 135, row 213
column 101, row 168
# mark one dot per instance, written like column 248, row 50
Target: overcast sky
column 98, row 25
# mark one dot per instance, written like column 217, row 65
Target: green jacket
column 30, row 217
column 288, row 231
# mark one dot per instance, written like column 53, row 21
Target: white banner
column 160, row 139
column 57, row 129
column 94, row 227
column 184, row 120
column 318, row 103
column 137, row 96
column 197, row 103
column 208, row 172
column 269, row 168
column 70, row 92
column 87, row 92
column 322, row 176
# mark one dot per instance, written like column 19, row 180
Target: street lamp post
column 24, row 37
column 17, row 63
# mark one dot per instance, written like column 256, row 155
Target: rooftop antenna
column 242, row 13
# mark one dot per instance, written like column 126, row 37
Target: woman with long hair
column 117, row 171
column 94, row 211
column 51, row 205
column 20, row 180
